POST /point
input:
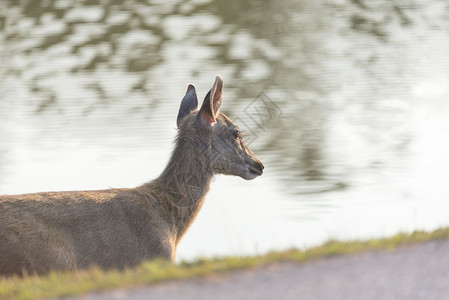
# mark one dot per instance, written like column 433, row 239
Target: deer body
column 118, row 228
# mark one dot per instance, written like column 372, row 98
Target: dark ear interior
column 188, row 104
column 205, row 114
column 210, row 109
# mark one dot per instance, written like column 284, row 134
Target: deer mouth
column 256, row 170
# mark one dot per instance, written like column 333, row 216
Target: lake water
column 357, row 146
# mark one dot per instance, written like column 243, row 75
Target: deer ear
column 188, row 104
column 211, row 106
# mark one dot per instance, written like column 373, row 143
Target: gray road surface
column 418, row 271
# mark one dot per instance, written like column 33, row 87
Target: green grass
column 63, row 284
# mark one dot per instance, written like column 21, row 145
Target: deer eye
column 236, row 133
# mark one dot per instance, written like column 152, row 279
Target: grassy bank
column 61, row 284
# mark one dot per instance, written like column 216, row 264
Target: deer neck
column 185, row 182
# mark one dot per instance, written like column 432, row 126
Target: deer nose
column 259, row 167
column 255, row 166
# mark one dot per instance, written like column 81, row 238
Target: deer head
column 214, row 134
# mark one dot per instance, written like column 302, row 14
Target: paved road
column 418, row 271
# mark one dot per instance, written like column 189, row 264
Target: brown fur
column 119, row 228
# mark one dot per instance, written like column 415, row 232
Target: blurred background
column 358, row 148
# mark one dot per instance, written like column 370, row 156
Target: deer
column 121, row 228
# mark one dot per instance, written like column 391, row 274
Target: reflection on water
column 89, row 93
